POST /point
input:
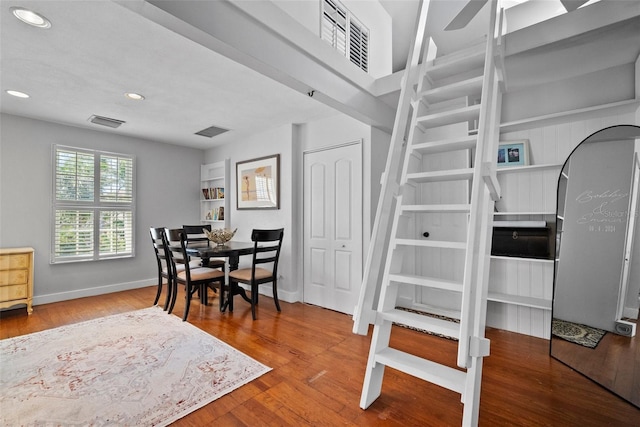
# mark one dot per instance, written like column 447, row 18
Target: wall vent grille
column 212, row 131
column 106, row 121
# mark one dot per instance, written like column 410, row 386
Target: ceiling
column 95, row 51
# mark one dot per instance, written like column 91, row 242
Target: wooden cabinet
column 214, row 194
column 16, row 277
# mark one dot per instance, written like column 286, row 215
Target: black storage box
column 521, row 242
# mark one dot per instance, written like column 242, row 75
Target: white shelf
column 528, row 168
column 517, row 258
column 540, row 303
column 571, row 115
column 523, row 213
column 215, row 175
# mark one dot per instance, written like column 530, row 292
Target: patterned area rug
column 142, row 368
column 583, row 335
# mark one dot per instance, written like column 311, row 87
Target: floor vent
column 106, row 121
column 212, row 131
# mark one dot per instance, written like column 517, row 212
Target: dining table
column 231, row 252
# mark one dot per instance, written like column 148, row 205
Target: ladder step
column 445, row 145
column 444, row 376
column 436, row 208
column 458, row 62
column 431, row 243
column 469, row 87
column 447, row 285
column 458, row 115
column 422, row 322
column 445, row 175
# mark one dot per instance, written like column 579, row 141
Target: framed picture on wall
column 258, row 183
column 513, row 153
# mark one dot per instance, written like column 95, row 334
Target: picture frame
column 513, row 153
column 258, row 183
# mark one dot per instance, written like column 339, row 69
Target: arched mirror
column 597, row 271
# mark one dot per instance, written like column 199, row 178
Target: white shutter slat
column 88, row 229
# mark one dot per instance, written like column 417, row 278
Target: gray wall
column 167, row 186
column 290, row 141
column 592, row 246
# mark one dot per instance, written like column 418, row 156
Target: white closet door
column 333, row 227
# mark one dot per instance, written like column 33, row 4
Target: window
column 345, row 33
column 93, row 205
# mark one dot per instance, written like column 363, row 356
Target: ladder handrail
column 364, row 313
column 474, row 284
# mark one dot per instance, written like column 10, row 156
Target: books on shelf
column 213, row 193
column 216, row 214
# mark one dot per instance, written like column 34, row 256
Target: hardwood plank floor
column 614, row 363
column 318, row 369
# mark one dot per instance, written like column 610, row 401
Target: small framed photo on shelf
column 513, row 153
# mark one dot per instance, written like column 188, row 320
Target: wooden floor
column 318, row 368
column 614, row 363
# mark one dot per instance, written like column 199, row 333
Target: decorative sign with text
column 603, row 210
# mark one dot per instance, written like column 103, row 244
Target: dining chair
column 266, row 250
column 161, row 250
column 194, row 279
column 194, row 234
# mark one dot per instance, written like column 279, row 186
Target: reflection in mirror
column 597, row 271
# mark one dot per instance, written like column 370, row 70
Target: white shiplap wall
column 535, row 191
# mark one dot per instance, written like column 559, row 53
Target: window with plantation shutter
column 93, row 205
column 341, row 30
column 358, row 45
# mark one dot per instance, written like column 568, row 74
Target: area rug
column 142, row 368
column 583, row 335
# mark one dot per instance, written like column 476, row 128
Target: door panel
column 333, row 227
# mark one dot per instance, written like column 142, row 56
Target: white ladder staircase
column 440, row 176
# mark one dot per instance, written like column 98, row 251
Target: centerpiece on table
column 220, row 236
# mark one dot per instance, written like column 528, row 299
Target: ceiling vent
column 106, row 121
column 212, row 131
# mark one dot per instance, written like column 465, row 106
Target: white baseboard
column 90, row 292
column 630, row 313
column 286, row 296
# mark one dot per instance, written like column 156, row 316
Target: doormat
column 141, row 368
column 583, row 335
column 425, row 313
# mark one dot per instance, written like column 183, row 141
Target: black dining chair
column 194, row 279
column 161, row 250
column 266, row 250
column 195, row 234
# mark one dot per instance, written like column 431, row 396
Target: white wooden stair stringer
column 434, row 105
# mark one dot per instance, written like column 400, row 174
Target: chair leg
column 187, row 302
column 231, row 292
column 204, row 294
column 221, row 299
column 155, row 302
column 254, row 299
column 174, row 295
column 167, row 300
column 275, row 293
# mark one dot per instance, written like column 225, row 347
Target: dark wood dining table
column 231, row 251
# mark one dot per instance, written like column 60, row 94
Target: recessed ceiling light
column 30, row 17
column 17, row 94
column 134, row 96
